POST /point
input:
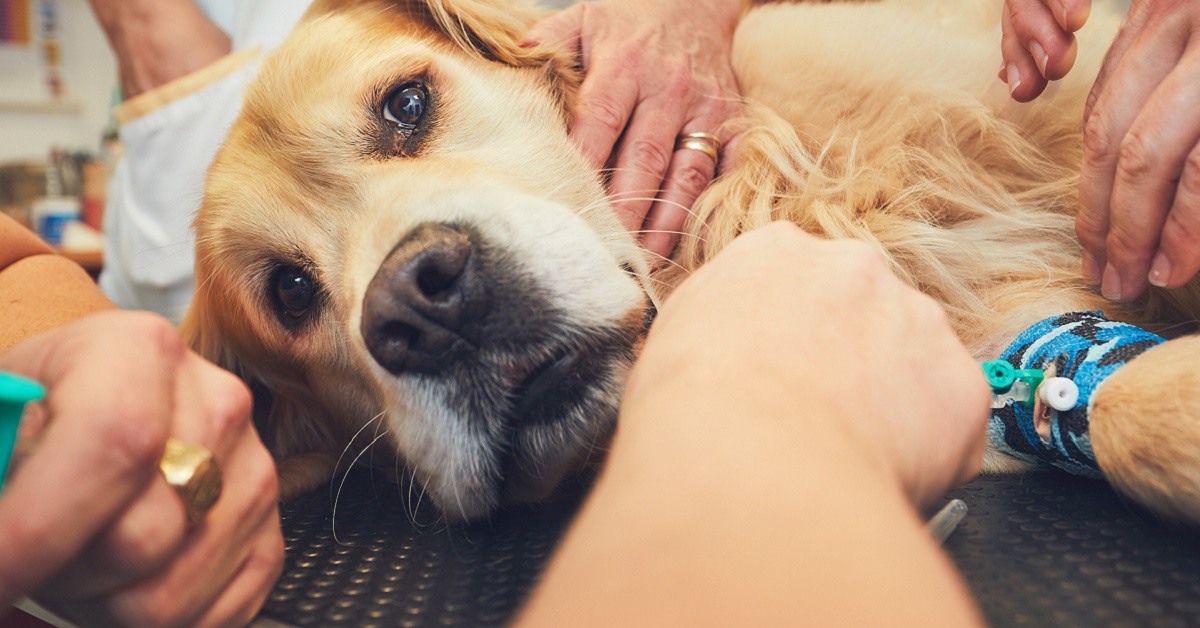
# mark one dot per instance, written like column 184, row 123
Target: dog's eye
column 295, row 291
column 405, row 106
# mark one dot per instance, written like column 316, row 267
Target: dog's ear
column 283, row 424
column 495, row 29
column 199, row 332
column 490, row 28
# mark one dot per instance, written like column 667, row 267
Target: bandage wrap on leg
column 1084, row 347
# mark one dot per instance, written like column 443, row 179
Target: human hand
column 1037, row 43
column 654, row 71
column 785, row 331
column 1139, row 192
column 157, row 41
column 88, row 525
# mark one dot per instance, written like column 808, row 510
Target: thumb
column 560, row 30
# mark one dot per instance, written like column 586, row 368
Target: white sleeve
column 170, row 137
column 156, row 190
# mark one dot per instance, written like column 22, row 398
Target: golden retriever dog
column 399, row 245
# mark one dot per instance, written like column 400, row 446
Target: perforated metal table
column 1044, row 549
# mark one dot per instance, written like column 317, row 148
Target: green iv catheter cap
column 15, row 392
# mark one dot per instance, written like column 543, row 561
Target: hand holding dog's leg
column 654, row 71
column 90, row 526
column 1037, row 43
column 794, row 399
column 795, row 323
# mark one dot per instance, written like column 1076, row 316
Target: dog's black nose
column 425, row 303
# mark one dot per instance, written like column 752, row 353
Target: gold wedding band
column 707, row 137
column 193, row 473
column 706, row 143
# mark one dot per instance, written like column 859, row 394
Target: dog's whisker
column 669, row 261
column 409, row 511
column 333, row 513
column 335, row 497
column 420, row 498
column 371, row 461
column 652, row 279
column 659, row 200
column 684, row 234
column 413, row 508
column 1188, row 324
column 346, row 449
column 462, row 510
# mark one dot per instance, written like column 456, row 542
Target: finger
column 1100, row 150
column 212, row 409
column 1052, row 49
column 646, row 150
column 1132, row 24
column 689, row 174
column 1071, row 14
column 1178, row 257
column 560, row 30
column 246, row 514
column 1139, row 178
column 241, row 599
column 691, row 171
column 1018, row 70
column 1099, row 159
column 137, row 545
column 89, row 483
column 606, row 100
column 1126, row 87
column 1153, row 156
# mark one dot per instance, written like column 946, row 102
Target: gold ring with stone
column 193, row 473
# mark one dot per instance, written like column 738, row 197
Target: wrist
column 749, row 423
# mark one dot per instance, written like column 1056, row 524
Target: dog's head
column 399, row 237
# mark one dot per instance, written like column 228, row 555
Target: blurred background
column 57, row 138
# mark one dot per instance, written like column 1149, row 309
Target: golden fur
column 882, row 122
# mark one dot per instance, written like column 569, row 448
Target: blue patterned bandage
column 1084, row 347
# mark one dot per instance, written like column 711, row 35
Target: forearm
column 733, row 517
column 157, row 41
column 38, row 289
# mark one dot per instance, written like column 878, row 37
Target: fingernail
column 1014, row 78
column 1039, row 56
column 1110, row 286
column 528, row 43
column 1160, row 271
column 1002, row 73
column 1091, row 269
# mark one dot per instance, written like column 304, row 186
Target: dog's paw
column 303, row 473
column 1146, row 429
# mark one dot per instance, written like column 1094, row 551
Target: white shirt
column 157, row 186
